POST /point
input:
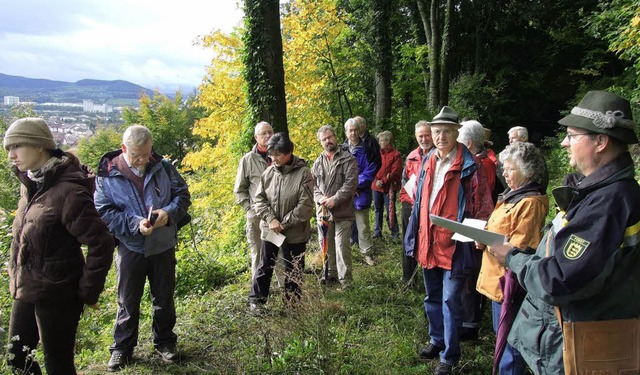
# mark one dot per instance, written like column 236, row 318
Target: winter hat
column 447, row 116
column 603, row 112
column 31, row 131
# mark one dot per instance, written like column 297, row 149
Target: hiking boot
column 429, row 351
column 368, row 260
column 119, row 359
column 167, row 352
column 443, row 369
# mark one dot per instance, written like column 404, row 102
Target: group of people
column 134, row 202
column 581, row 267
column 454, row 174
column 593, row 275
column 280, row 194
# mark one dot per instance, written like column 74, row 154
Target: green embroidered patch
column 575, row 247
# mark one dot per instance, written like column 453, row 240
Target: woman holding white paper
column 519, row 214
column 284, row 202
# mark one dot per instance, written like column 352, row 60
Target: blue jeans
column 381, row 204
column 511, row 362
column 443, row 307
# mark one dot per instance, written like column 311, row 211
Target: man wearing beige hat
column 587, row 263
column 451, row 185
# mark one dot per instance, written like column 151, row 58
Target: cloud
column 147, row 42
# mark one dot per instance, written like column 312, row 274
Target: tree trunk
column 435, row 44
column 263, row 62
column 421, row 37
column 446, row 45
column 383, row 60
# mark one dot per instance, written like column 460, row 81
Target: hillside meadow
column 376, row 327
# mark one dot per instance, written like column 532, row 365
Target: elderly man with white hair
column 451, row 185
column 471, row 134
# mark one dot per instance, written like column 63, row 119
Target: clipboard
column 479, row 235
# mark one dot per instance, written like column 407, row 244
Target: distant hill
column 45, row 90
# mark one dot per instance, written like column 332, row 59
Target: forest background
column 305, row 63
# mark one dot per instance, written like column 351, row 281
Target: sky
column 147, row 42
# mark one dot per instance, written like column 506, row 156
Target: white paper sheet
column 470, row 230
column 408, row 187
column 275, row 238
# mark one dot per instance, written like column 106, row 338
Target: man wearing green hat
column 587, row 263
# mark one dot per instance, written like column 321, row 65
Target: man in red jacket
column 386, row 184
column 412, row 168
column 453, row 186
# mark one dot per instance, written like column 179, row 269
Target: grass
column 375, row 327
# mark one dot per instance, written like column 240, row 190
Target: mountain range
column 48, row 91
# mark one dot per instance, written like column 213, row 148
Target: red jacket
column 412, row 167
column 434, row 245
column 489, row 168
column 391, row 171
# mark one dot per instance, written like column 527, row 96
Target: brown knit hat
column 31, row 131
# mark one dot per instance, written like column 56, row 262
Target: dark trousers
column 132, row 270
column 53, row 324
column 409, row 264
column 381, row 204
column 472, row 301
column 293, row 256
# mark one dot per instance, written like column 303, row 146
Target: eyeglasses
column 437, row 132
column 265, row 134
column 575, row 136
column 136, row 157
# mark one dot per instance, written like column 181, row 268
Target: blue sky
column 147, row 42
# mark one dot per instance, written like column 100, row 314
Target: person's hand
column 163, row 218
column 275, row 226
column 145, row 227
column 379, row 183
column 480, row 246
column 500, row 252
column 329, row 203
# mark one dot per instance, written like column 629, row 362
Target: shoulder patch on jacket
column 575, row 247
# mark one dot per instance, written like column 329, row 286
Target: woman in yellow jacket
column 519, row 214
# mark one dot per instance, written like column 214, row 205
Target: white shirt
column 442, row 166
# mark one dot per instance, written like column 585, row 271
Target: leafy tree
column 317, row 69
column 170, row 120
column 9, row 184
column 90, row 150
column 223, row 96
column 262, row 58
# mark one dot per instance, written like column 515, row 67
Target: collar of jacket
column 295, row 163
column 576, row 186
column 515, row 196
column 106, row 162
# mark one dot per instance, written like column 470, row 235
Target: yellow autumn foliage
column 312, row 32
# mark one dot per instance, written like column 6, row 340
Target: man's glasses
column 576, row 136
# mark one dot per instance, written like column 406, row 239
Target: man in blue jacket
column 367, row 170
column 141, row 198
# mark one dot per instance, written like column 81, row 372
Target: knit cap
column 32, row 131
